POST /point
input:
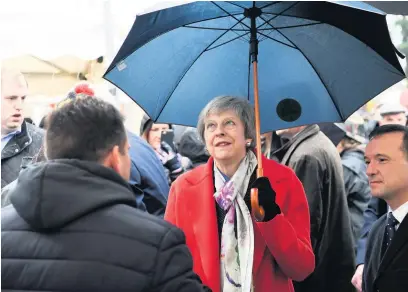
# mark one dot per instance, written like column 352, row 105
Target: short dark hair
column 386, row 129
column 86, row 128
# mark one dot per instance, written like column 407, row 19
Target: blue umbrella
column 318, row 61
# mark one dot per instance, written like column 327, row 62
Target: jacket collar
column 17, row 143
column 283, row 154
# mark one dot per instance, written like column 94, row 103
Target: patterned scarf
column 237, row 248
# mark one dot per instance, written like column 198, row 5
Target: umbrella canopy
column 318, row 61
column 334, row 132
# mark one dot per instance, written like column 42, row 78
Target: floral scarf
column 237, row 248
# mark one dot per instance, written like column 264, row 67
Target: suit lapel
column 204, row 221
column 377, row 246
column 400, row 238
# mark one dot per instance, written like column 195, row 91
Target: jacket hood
column 52, row 194
column 192, row 147
column 353, row 159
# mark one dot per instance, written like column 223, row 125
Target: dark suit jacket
column 390, row 273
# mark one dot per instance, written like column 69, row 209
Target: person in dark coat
column 73, row 223
column 171, row 160
column 351, row 149
column 391, row 114
column 317, row 164
column 147, row 173
column 385, row 264
column 20, row 140
column 192, row 147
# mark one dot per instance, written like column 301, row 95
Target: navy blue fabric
column 375, row 209
column 330, row 57
column 148, row 174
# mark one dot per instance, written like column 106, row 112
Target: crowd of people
column 87, row 205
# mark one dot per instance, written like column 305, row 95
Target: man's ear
column 113, row 159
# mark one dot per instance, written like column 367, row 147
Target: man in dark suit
column 391, row 114
column 386, row 260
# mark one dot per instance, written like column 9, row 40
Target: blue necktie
column 389, row 231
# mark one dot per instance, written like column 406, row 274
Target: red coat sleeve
column 288, row 234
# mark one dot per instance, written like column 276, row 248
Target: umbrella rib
column 276, row 15
column 213, row 18
column 229, row 14
column 314, row 68
column 271, row 38
column 229, row 2
column 270, row 4
column 249, row 75
column 231, row 40
column 185, row 72
column 215, row 28
column 293, row 26
column 286, row 15
column 164, row 32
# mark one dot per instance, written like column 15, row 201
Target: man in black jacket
column 385, row 264
column 73, row 223
column 391, row 114
column 20, row 141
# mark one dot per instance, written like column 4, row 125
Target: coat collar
column 17, row 143
column 205, row 172
column 283, row 154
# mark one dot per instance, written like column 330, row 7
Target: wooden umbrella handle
column 257, row 211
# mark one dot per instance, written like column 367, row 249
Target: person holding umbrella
column 232, row 251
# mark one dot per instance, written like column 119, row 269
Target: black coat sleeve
column 174, row 266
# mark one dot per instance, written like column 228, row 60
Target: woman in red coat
column 211, row 204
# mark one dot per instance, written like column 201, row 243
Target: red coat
column 282, row 246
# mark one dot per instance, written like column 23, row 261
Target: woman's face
column 224, row 135
column 154, row 136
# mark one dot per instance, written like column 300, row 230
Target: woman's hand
column 170, row 158
column 266, row 197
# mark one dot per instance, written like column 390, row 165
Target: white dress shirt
column 400, row 213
